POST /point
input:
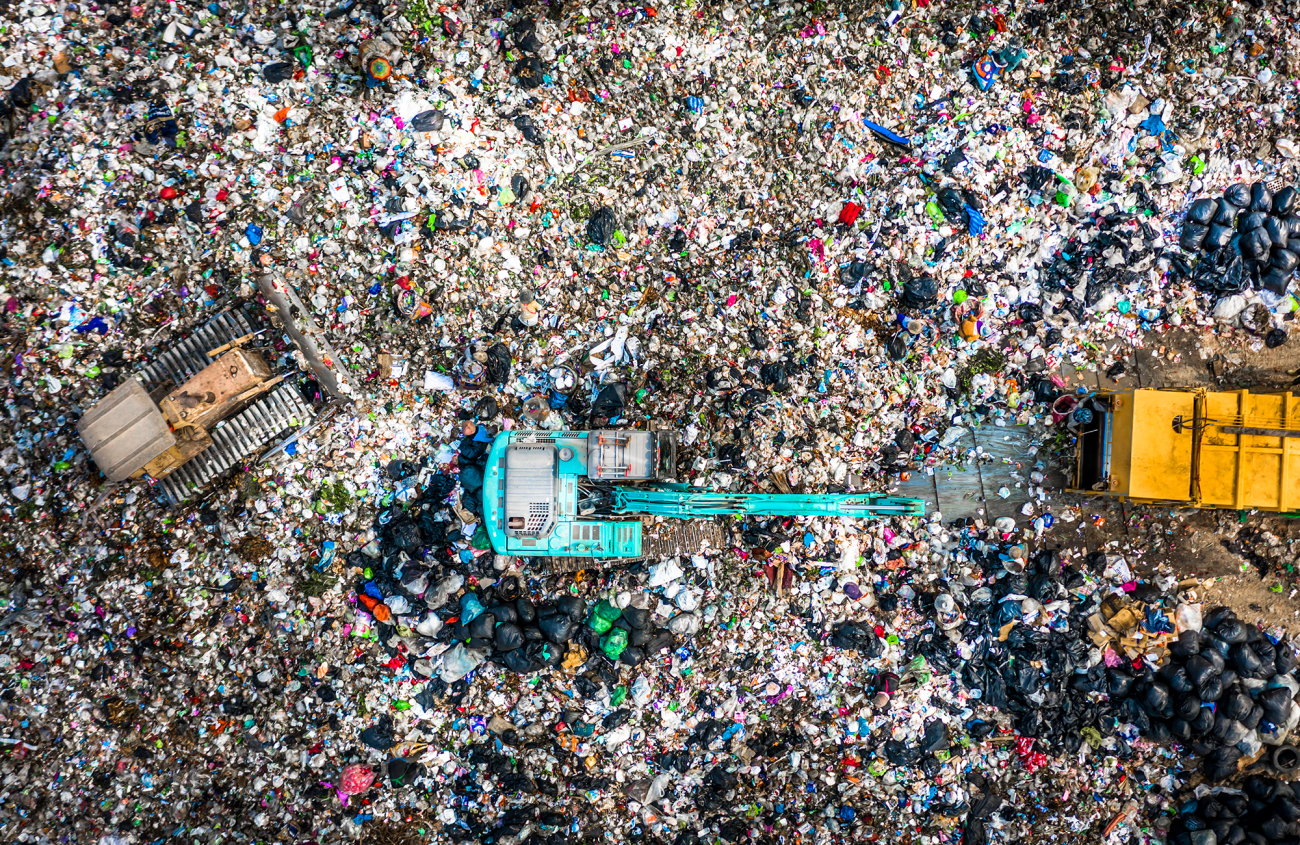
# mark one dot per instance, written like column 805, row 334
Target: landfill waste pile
column 274, row 277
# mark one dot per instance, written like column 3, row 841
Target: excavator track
column 669, row 538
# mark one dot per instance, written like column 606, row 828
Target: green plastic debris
column 619, row 696
column 1062, row 199
column 613, row 643
column 481, row 540
column 1198, row 165
column 602, row 617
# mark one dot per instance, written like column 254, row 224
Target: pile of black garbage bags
column 1249, row 236
column 1224, row 691
column 1264, row 811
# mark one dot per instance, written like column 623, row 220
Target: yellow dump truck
column 1190, row 448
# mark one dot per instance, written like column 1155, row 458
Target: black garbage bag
column 1156, row 701
column 1187, row 706
column 1278, row 231
column 952, row 205
column 896, row 347
column 935, row 737
column 1187, row 644
column 1231, row 630
column 524, row 35
column 774, row 375
column 900, row 755
column 507, row 637
column 1261, row 198
column 379, row 736
column 517, row 661
column 1221, row 763
column 498, row 363
column 526, row 611
column 1251, row 220
column 1286, row 660
column 1276, row 703
column 1176, row 677
column 277, row 72
column 1192, row 236
column 1235, row 704
column 1246, row 661
column 1276, row 829
column 545, row 654
column 482, row 626
column 559, row 628
column 920, row 292
column 1036, row 177
column 1212, row 689
column 1260, row 788
column 1226, row 214
column 601, row 226
column 1256, row 245
column 529, row 72
column 528, row 129
column 1238, row 195
column 632, row 656
column 1222, row 273
column 1202, row 211
column 1179, row 729
column 1042, row 588
column 428, row 121
column 1284, row 203
column 1284, row 260
column 1203, row 722
column 571, row 606
column 636, row 617
column 1286, row 806
column 404, row 534
column 1217, row 237
column 1275, row 281
column 610, row 402
column 852, row 635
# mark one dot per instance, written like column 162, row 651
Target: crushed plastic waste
column 273, row 278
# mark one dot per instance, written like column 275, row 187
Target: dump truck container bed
column 1194, row 448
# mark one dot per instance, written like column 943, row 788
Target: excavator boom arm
column 681, row 502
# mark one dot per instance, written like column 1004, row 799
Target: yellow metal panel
column 1218, row 475
column 1250, row 470
column 1162, row 458
column 1255, row 468
column 1121, row 444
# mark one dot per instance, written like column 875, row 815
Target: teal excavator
column 582, row 495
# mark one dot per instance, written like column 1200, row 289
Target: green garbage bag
column 613, row 643
column 481, row 540
column 603, row 616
